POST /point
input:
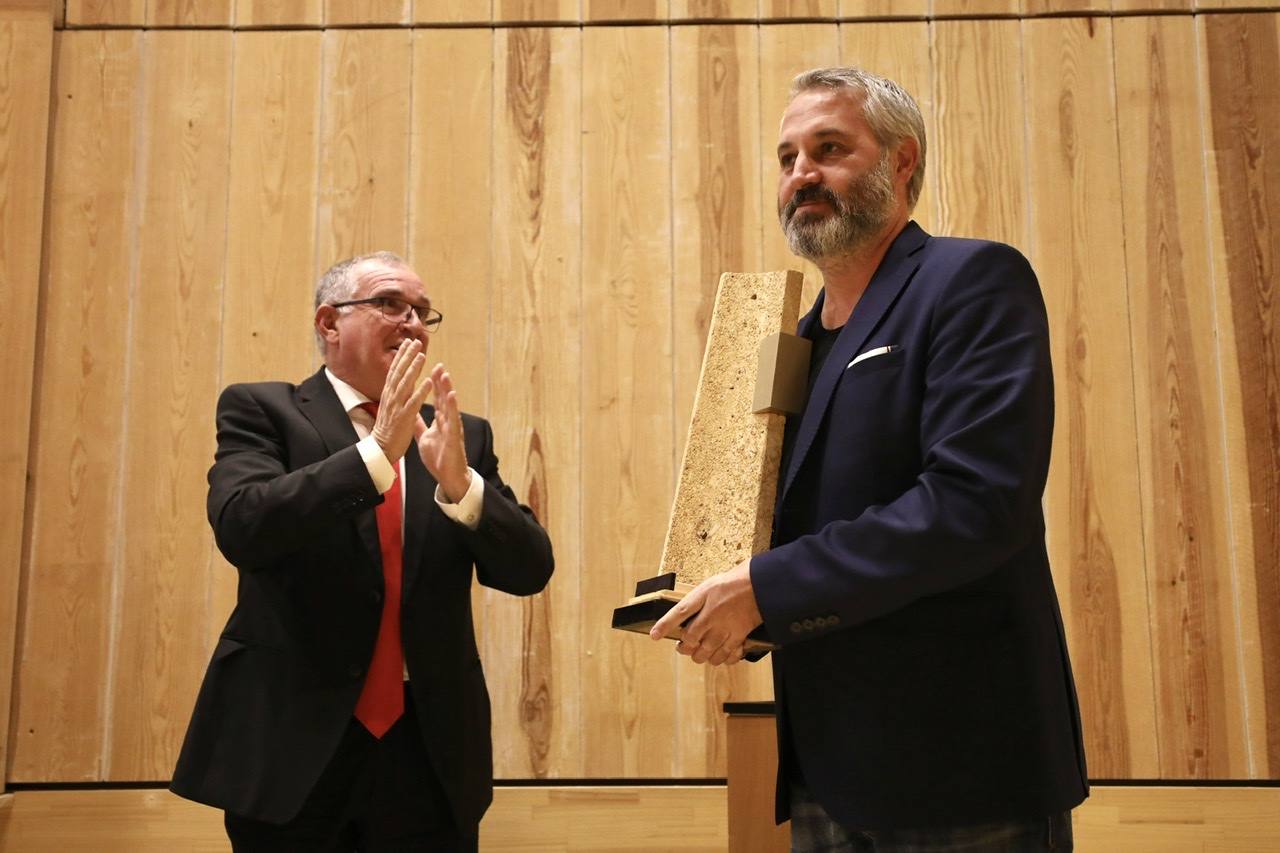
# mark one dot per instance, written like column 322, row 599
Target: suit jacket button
column 808, row 624
column 796, row 628
column 833, row 620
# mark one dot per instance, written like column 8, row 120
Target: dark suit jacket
column 923, row 675
column 292, row 508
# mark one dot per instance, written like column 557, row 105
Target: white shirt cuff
column 466, row 511
column 380, row 468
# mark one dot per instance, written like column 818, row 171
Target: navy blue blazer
column 923, row 677
column 292, row 507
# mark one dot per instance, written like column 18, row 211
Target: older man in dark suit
column 925, row 699
column 345, row 707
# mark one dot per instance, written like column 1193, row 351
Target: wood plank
column 884, row 8
column 1131, row 6
column 364, row 148
column 799, row 9
column 1062, row 7
column 1095, row 541
column 975, row 8
column 785, row 51
column 627, row 395
column 715, row 128
column 625, row 10
column 26, row 69
column 751, row 780
column 1240, row 56
column 60, row 692
column 900, row 51
column 622, row 819
column 279, row 13
column 452, row 11
column 162, row 622
column 742, row 10
column 340, row 13
column 1200, row 707
column 268, row 298
column 536, row 398
column 189, row 13
column 978, row 153
column 536, row 11
column 89, row 13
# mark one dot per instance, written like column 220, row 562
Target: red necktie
column 382, row 698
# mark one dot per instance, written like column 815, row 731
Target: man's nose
column 804, row 173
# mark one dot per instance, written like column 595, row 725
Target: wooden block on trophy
column 753, row 373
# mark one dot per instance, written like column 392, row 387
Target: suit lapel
column 420, row 510
column 899, row 264
column 319, row 403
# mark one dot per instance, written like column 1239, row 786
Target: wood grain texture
column 189, row 13
column 1130, row 6
column 627, row 436
column 267, row 13
column 163, row 624
column 1095, row 540
column 751, row 779
column 1199, row 704
column 90, row 13
column 530, row 11
column 783, row 9
column 268, row 299
column 884, row 8
column 625, row 10
column 785, row 51
column 452, row 11
column 1241, row 57
column 364, row 148
column 976, row 8
column 978, row 153
column 900, row 51
column 535, row 389
column 714, row 9
column 715, row 132
column 1059, row 7
column 26, row 68
column 73, row 510
column 362, row 12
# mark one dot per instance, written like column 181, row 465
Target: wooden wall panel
column 715, row 132
column 109, row 12
column 714, row 9
column 364, row 152
column 163, row 625
column 266, row 13
column 900, row 51
column 518, row 11
column 1199, row 705
column 189, row 13
column 1095, row 542
column 268, row 300
column 626, row 392
column 979, row 157
column 976, row 8
column 73, row 513
column 1240, row 56
column 625, row 10
column 799, row 8
column 785, row 51
column 364, row 12
column 536, row 397
column 26, row 68
column 452, row 11
column 884, row 8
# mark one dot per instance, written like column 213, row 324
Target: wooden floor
column 634, row 819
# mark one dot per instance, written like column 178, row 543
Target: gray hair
column 338, row 284
column 892, row 114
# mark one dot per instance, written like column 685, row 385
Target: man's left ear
column 905, row 158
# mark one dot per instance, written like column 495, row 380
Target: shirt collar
column 348, row 396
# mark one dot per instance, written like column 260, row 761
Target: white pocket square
column 872, row 353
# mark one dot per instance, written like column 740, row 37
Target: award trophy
column 754, row 374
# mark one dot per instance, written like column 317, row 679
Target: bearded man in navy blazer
column 345, row 707
column 925, row 698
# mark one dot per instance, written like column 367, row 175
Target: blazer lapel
column 899, row 264
column 319, row 403
column 420, row 510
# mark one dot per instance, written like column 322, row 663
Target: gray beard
column 860, row 215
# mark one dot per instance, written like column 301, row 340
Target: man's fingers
column 686, row 607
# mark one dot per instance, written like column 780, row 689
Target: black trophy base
column 655, row 597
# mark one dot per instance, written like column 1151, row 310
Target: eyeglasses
column 398, row 311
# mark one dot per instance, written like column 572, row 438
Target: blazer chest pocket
column 891, row 359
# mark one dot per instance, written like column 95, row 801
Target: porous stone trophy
column 754, row 374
